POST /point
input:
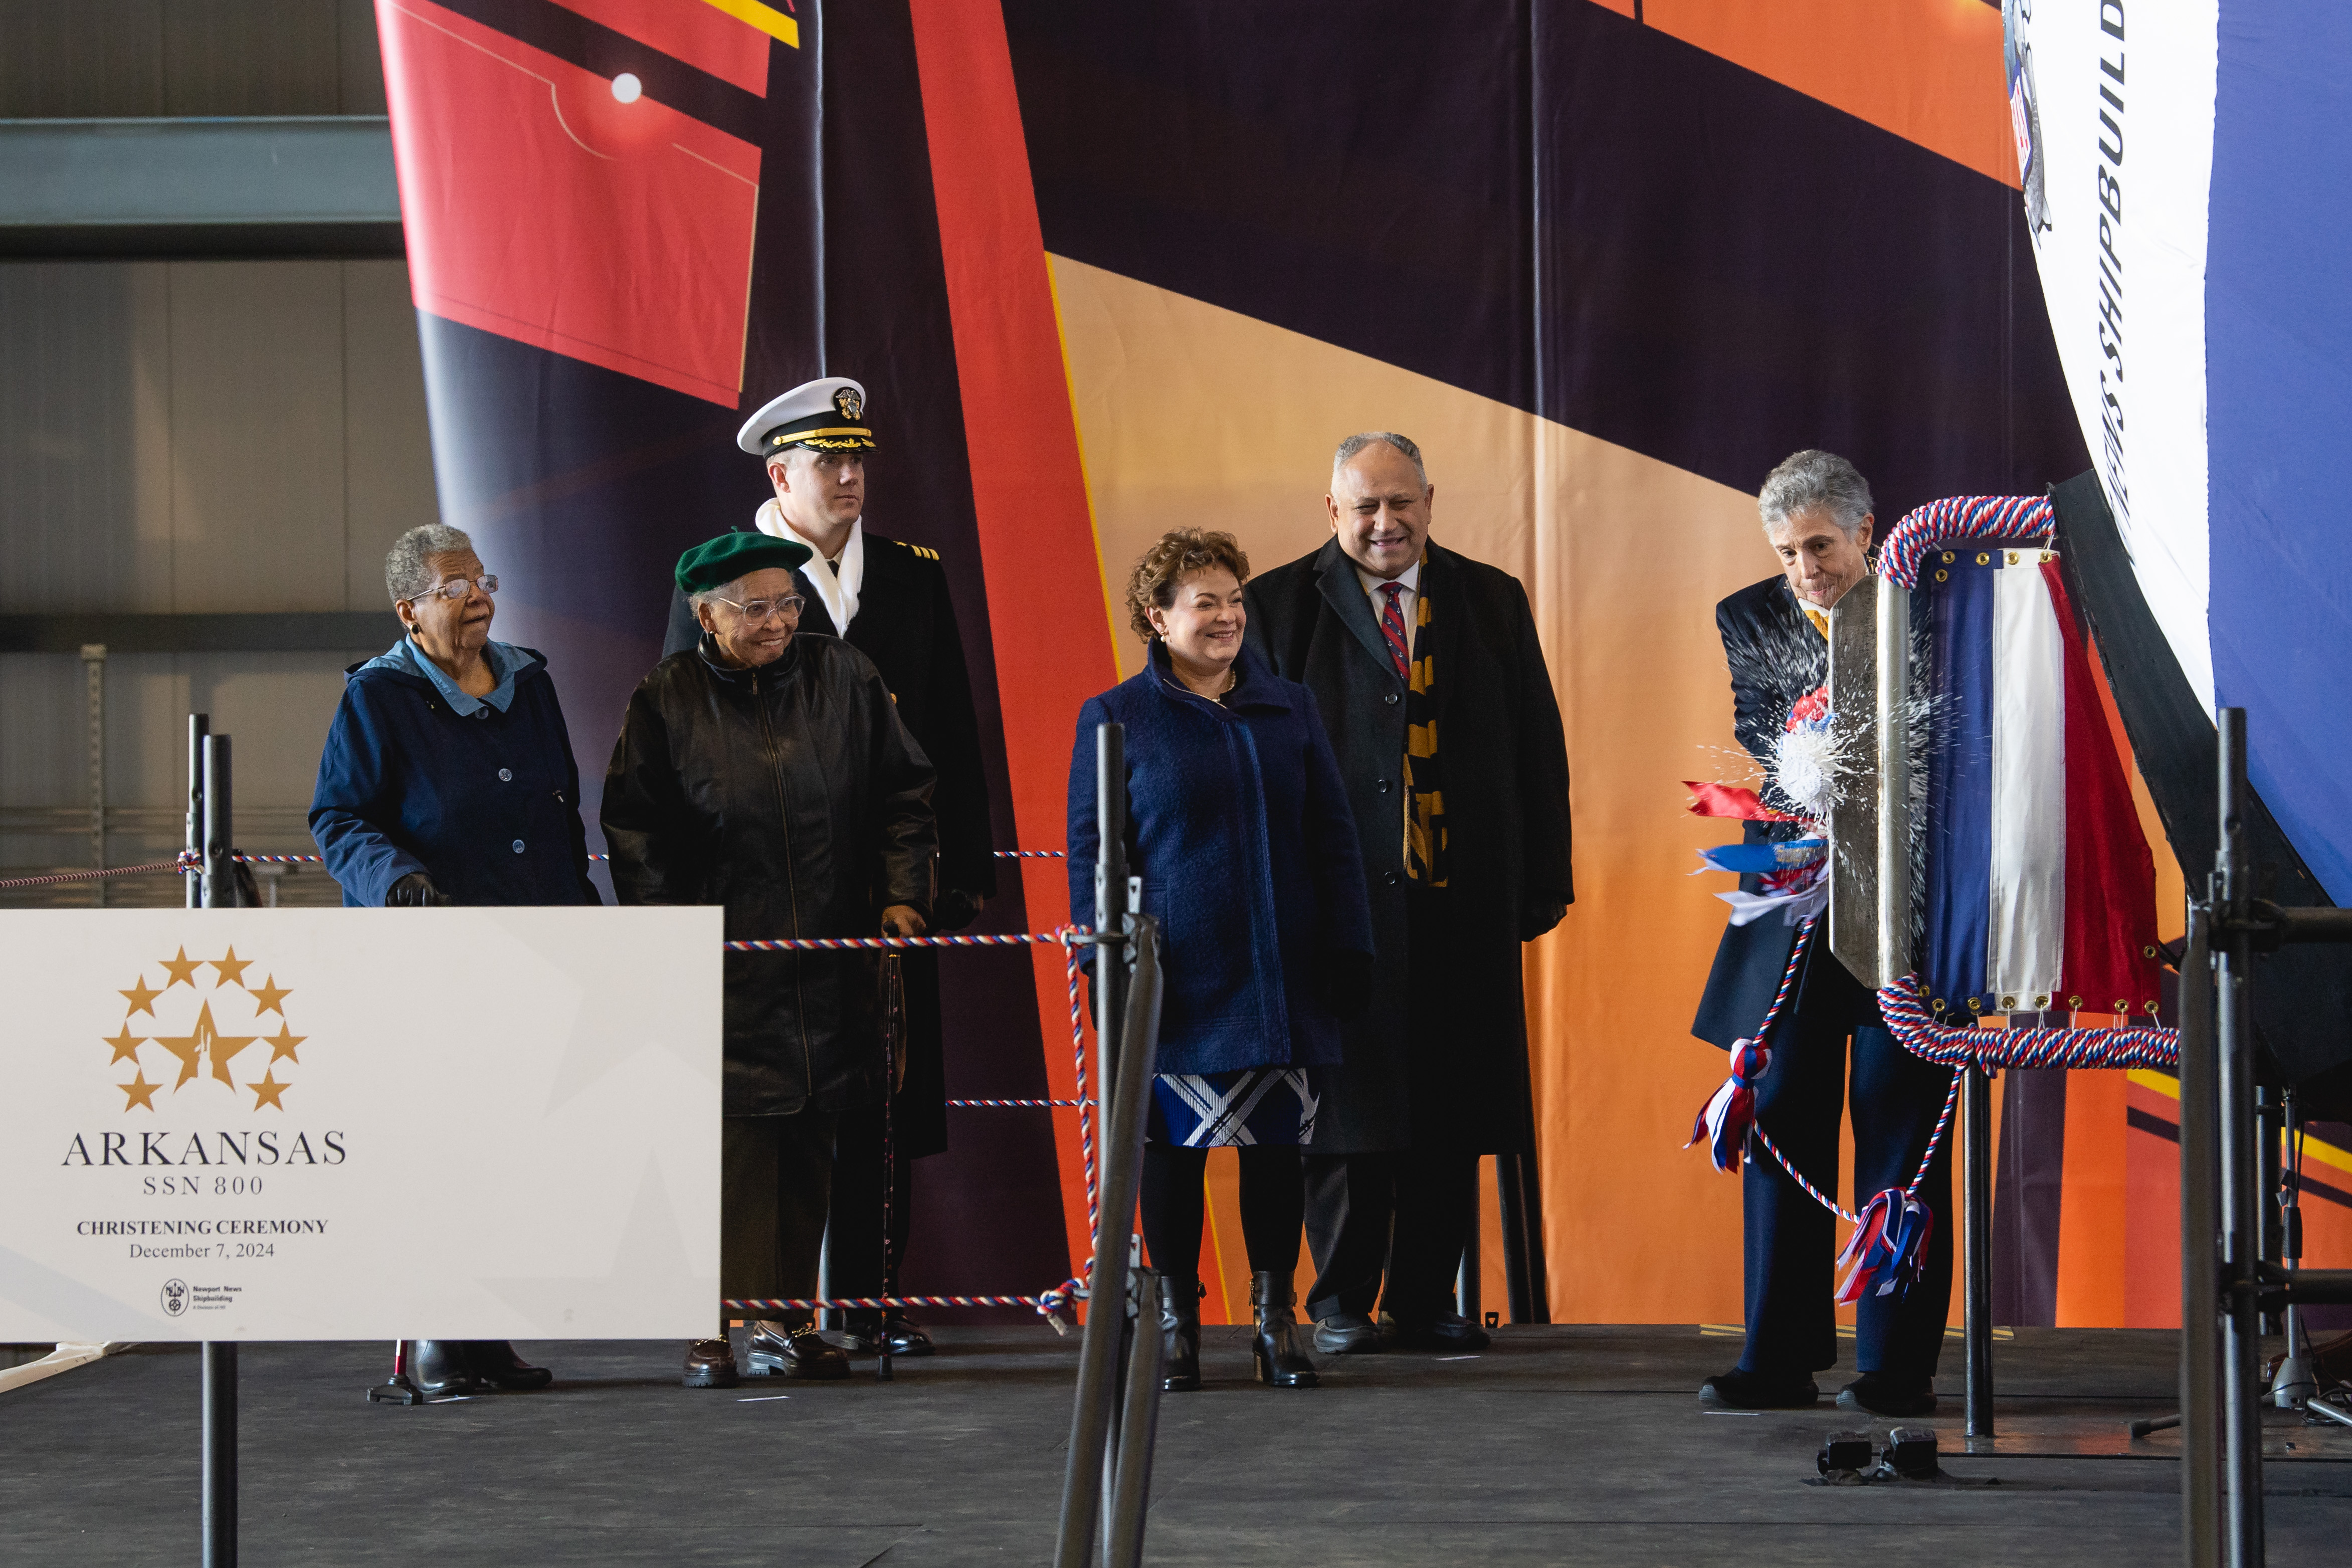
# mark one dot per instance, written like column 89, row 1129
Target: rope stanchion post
column 1127, row 970
column 199, row 726
column 219, row 888
column 2200, row 1257
column 1975, row 1238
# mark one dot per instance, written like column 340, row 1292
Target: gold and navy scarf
column 1425, row 795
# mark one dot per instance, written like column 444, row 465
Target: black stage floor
column 1559, row 1445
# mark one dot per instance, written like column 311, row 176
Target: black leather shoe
column 444, row 1368
column 776, row 1352
column 1881, row 1396
column 1346, row 1333
column 906, row 1336
column 1442, row 1332
column 1179, row 1334
column 496, row 1363
column 1274, row 1347
column 1739, row 1390
column 710, row 1363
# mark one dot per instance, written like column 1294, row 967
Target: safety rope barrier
column 189, row 862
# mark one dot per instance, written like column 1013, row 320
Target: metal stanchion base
column 399, row 1391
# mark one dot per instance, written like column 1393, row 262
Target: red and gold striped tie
column 1392, row 627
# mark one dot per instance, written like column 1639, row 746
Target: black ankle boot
column 444, row 1368
column 1280, row 1363
column 1179, row 1334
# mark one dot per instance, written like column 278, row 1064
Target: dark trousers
column 776, row 1184
column 1405, row 1214
column 1173, row 1202
column 1791, row 1241
column 854, row 1261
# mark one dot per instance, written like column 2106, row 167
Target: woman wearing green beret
column 767, row 771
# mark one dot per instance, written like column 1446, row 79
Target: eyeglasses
column 458, row 587
column 759, row 610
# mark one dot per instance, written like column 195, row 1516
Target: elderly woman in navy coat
column 448, row 779
column 1239, row 829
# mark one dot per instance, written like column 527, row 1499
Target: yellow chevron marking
column 767, row 18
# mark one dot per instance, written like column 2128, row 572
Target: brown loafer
column 710, row 1363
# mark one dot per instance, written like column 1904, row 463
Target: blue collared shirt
column 505, row 661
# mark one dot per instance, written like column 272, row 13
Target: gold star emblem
column 126, row 1045
column 231, row 968
column 266, row 1090
column 182, row 970
column 139, row 1091
column 281, row 1046
column 141, row 998
column 267, row 998
column 205, row 1041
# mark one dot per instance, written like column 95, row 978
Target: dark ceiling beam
column 308, row 632
column 220, row 189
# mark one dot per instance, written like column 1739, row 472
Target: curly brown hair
column 1179, row 552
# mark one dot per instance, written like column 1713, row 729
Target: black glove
column 1344, row 981
column 955, row 910
column 415, row 892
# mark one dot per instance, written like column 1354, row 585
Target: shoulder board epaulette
column 919, row 549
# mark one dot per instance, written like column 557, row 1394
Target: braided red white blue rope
column 1729, row 1114
column 1942, row 522
column 1887, row 1251
column 2133, row 1046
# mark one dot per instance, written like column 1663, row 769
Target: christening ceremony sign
column 286, row 1125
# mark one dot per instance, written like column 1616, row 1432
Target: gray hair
column 733, row 593
column 405, row 574
column 1814, row 480
column 1357, row 443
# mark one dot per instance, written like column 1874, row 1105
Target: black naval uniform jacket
column 906, row 624
column 1505, row 762
column 1776, row 658
column 791, row 795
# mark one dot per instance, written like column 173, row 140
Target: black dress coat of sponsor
column 906, row 624
column 1504, row 764
column 793, row 795
column 1775, row 658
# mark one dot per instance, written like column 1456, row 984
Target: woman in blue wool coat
column 447, row 779
column 1239, row 827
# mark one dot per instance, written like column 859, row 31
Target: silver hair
column 1357, row 443
column 1814, row 480
column 405, row 574
column 730, row 592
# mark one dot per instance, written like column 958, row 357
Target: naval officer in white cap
column 889, row 600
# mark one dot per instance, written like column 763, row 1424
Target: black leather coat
column 793, row 795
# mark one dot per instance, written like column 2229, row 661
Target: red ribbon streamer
column 1731, row 800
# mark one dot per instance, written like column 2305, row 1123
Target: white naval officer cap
column 828, row 414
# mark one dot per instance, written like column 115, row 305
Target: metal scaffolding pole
column 2241, row 1160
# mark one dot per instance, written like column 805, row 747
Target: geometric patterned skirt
column 1253, row 1105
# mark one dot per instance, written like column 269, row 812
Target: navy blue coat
column 489, row 806
column 1239, row 825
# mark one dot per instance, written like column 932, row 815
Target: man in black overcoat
column 889, row 600
column 1427, row 670
column 1816, row 514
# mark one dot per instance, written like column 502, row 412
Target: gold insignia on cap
column 850, row 405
